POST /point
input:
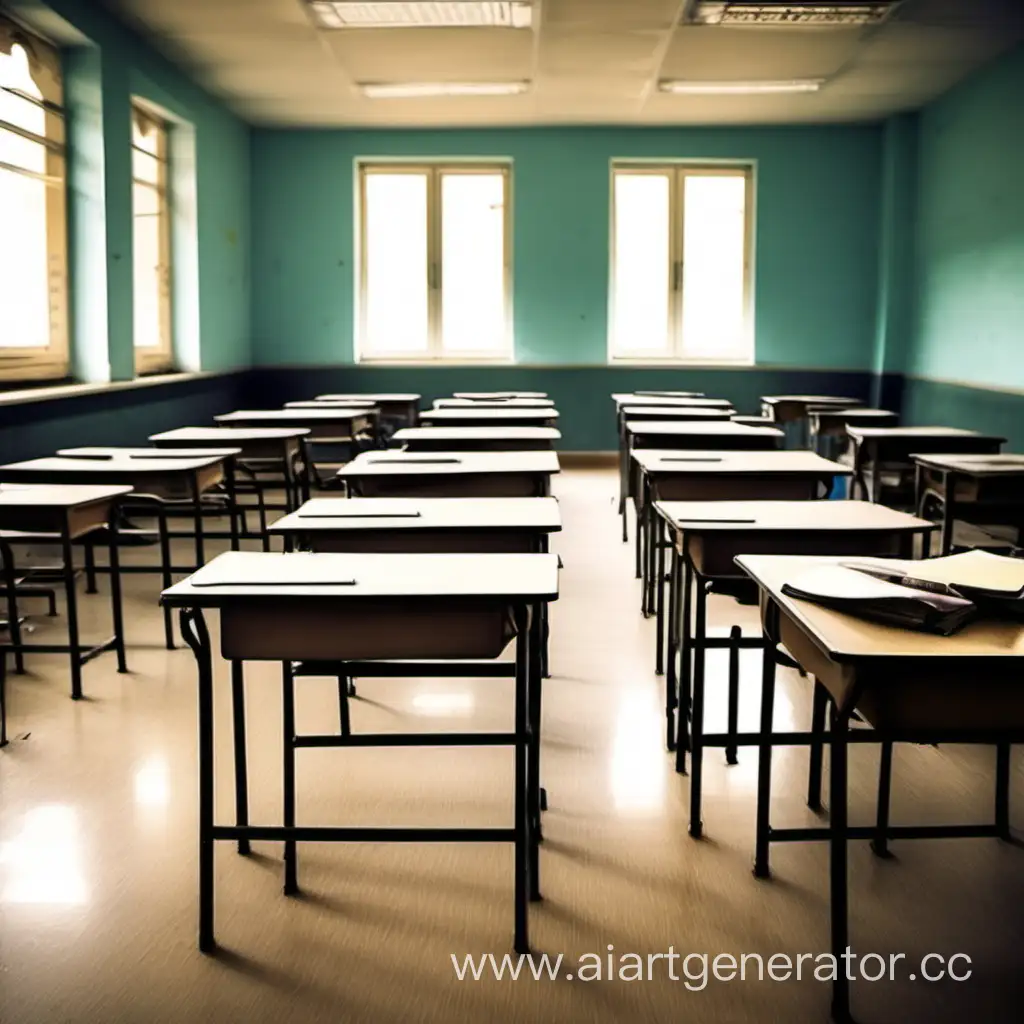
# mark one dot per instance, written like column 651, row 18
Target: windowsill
column 498, row 361
column 676, row 364
column 26, row 396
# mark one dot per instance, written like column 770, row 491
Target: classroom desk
column 493, row 403
column 910, row 687
column 326, row 424
column 339, row 403
column 983, row 489
column 59, row 514
column 394, row 473
column 476, row 439
column 646, row 398
column 891, row 449
column 706, row 537
column 153, row 482
column 673, row 394
column 831, row 423
column 399, row 407
column 487, row 395
column 471, row 416
column 753, row 421
column 341, row 609
column 790, row 409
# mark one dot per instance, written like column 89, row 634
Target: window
column 33, row 248
column 151, row 241
column 434, row 262
column 681, row 245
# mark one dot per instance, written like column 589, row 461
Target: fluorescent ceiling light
column 418, row 90
column 681, row 88
column 422, row 13
column 792, row 13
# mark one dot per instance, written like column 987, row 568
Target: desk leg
column 671, row 679
column 697, row 711
column 241, row 765
column 682, row 692
column 344, row 715
column 165, row 566
column 521, row 939
column 735, row 635
column 764, row 760
column 291, row 866
column 819, row 711
column 880, row 843
column 262, row 496
column 3, row 698
column 71, row 597
column 13, row 621
column 838, row 864
column 197, row 518
column 89, row 557
column 533, row 767
column 659, row 596
column 948, row 514
column 229, row 486
column 194, row 631
column 116, row 606
column 1003, row 790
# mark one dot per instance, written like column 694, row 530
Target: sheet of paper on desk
column 864, row 596
column 974, row 573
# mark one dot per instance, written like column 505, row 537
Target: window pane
column 473, row 263
column 714, row 256
column 24, row 277
column 146, row 204
column 14, row 74
column 395, row 290
column 641, row 264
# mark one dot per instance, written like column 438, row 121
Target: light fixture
column 421, row 90
column 422, row 13
column 684, row 88
column 791, row 13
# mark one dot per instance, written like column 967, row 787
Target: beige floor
column 98, row 864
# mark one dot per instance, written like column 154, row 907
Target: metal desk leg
column 522, row 816
column 683, row 689
column 880, row 842
column 241, row 759
column 819, row 711
column 1003, row 790
column 838, row 864
column 229, row 486
column 197, row 517
column 71, row 597
column 3, row 698
column 165, row 565
column 344, row 715
column 948, row 513
column 671, row 678
column 764, row 761
column 735, row 635
column 697, row 716
column 533, row 766
column 659, row 595
column 291, row 866
column 116, row 607
column 13, row 620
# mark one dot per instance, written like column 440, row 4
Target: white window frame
column 435, row 170
column 53, row 361
column 677, row 170
column 160, row 358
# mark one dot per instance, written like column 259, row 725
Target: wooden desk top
column 215, row 435
column 58, row 495
column 540, row 515
column 810, row 400
column 664, row 460
column 339, row 403
column 320, row 414
column 393, row 462
column 1006, row 464
column 714, row 428
column 844, row 638
column 700, row 517
column 493, row 403
column 673, row 394
column 474, row 412
column 913, row 433
column 485, row 395
column 147, row 453
column 852, row 416
column 268, row 576
column 630, row 398
column 56, row 467
column 674, row 412
column 384, row 396
column 477, row 434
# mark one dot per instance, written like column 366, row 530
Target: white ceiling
column 589, row 61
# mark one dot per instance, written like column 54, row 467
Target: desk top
column 147, row 453
column 55, row 466
column 810, row 400
column 699, row 517
column 629, row 398
column 58, row 495
column 475, row 412
column 384, row 396
column 499, row 433
column 351, row 515
column 493, row 403
column 673, row 394
column 913, row 433
column 485, row 395
column 202, row 435
column 393, row 462
column 665, row 460
column 320, row 414
column 268, row 576
column 714, row 428
column 852, row 415
column 1006, row 464
column 845, row 638
column 674, row 412
column 337, row 403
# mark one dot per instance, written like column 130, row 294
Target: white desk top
column 383, row 396
column 475, row 413
column 57, row 467
column 147, row 453
column 217, row 435
column 845, row 638
column 810, row 399
column 820, row 516
column 320, row 414
column 674, row 394
column 913, row 433
column 339, row 403
column 485, row 395
column 393, row 462
column 713, row 428
column 512, row 433
column 1006, row 464
column 493, row 403
column 360, row 514
column 664, row 460
column 58, row 495
column 260, row 575
column 629, row 398
column 674, row 412
column 851, row 415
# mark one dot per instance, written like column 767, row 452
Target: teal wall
column 818, row 193
column 969, row 324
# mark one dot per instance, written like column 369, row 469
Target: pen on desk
column 902, row 579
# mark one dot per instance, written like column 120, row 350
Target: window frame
column 158, row 359
column 435, row 170
column 677, row 171
column 54, row 361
